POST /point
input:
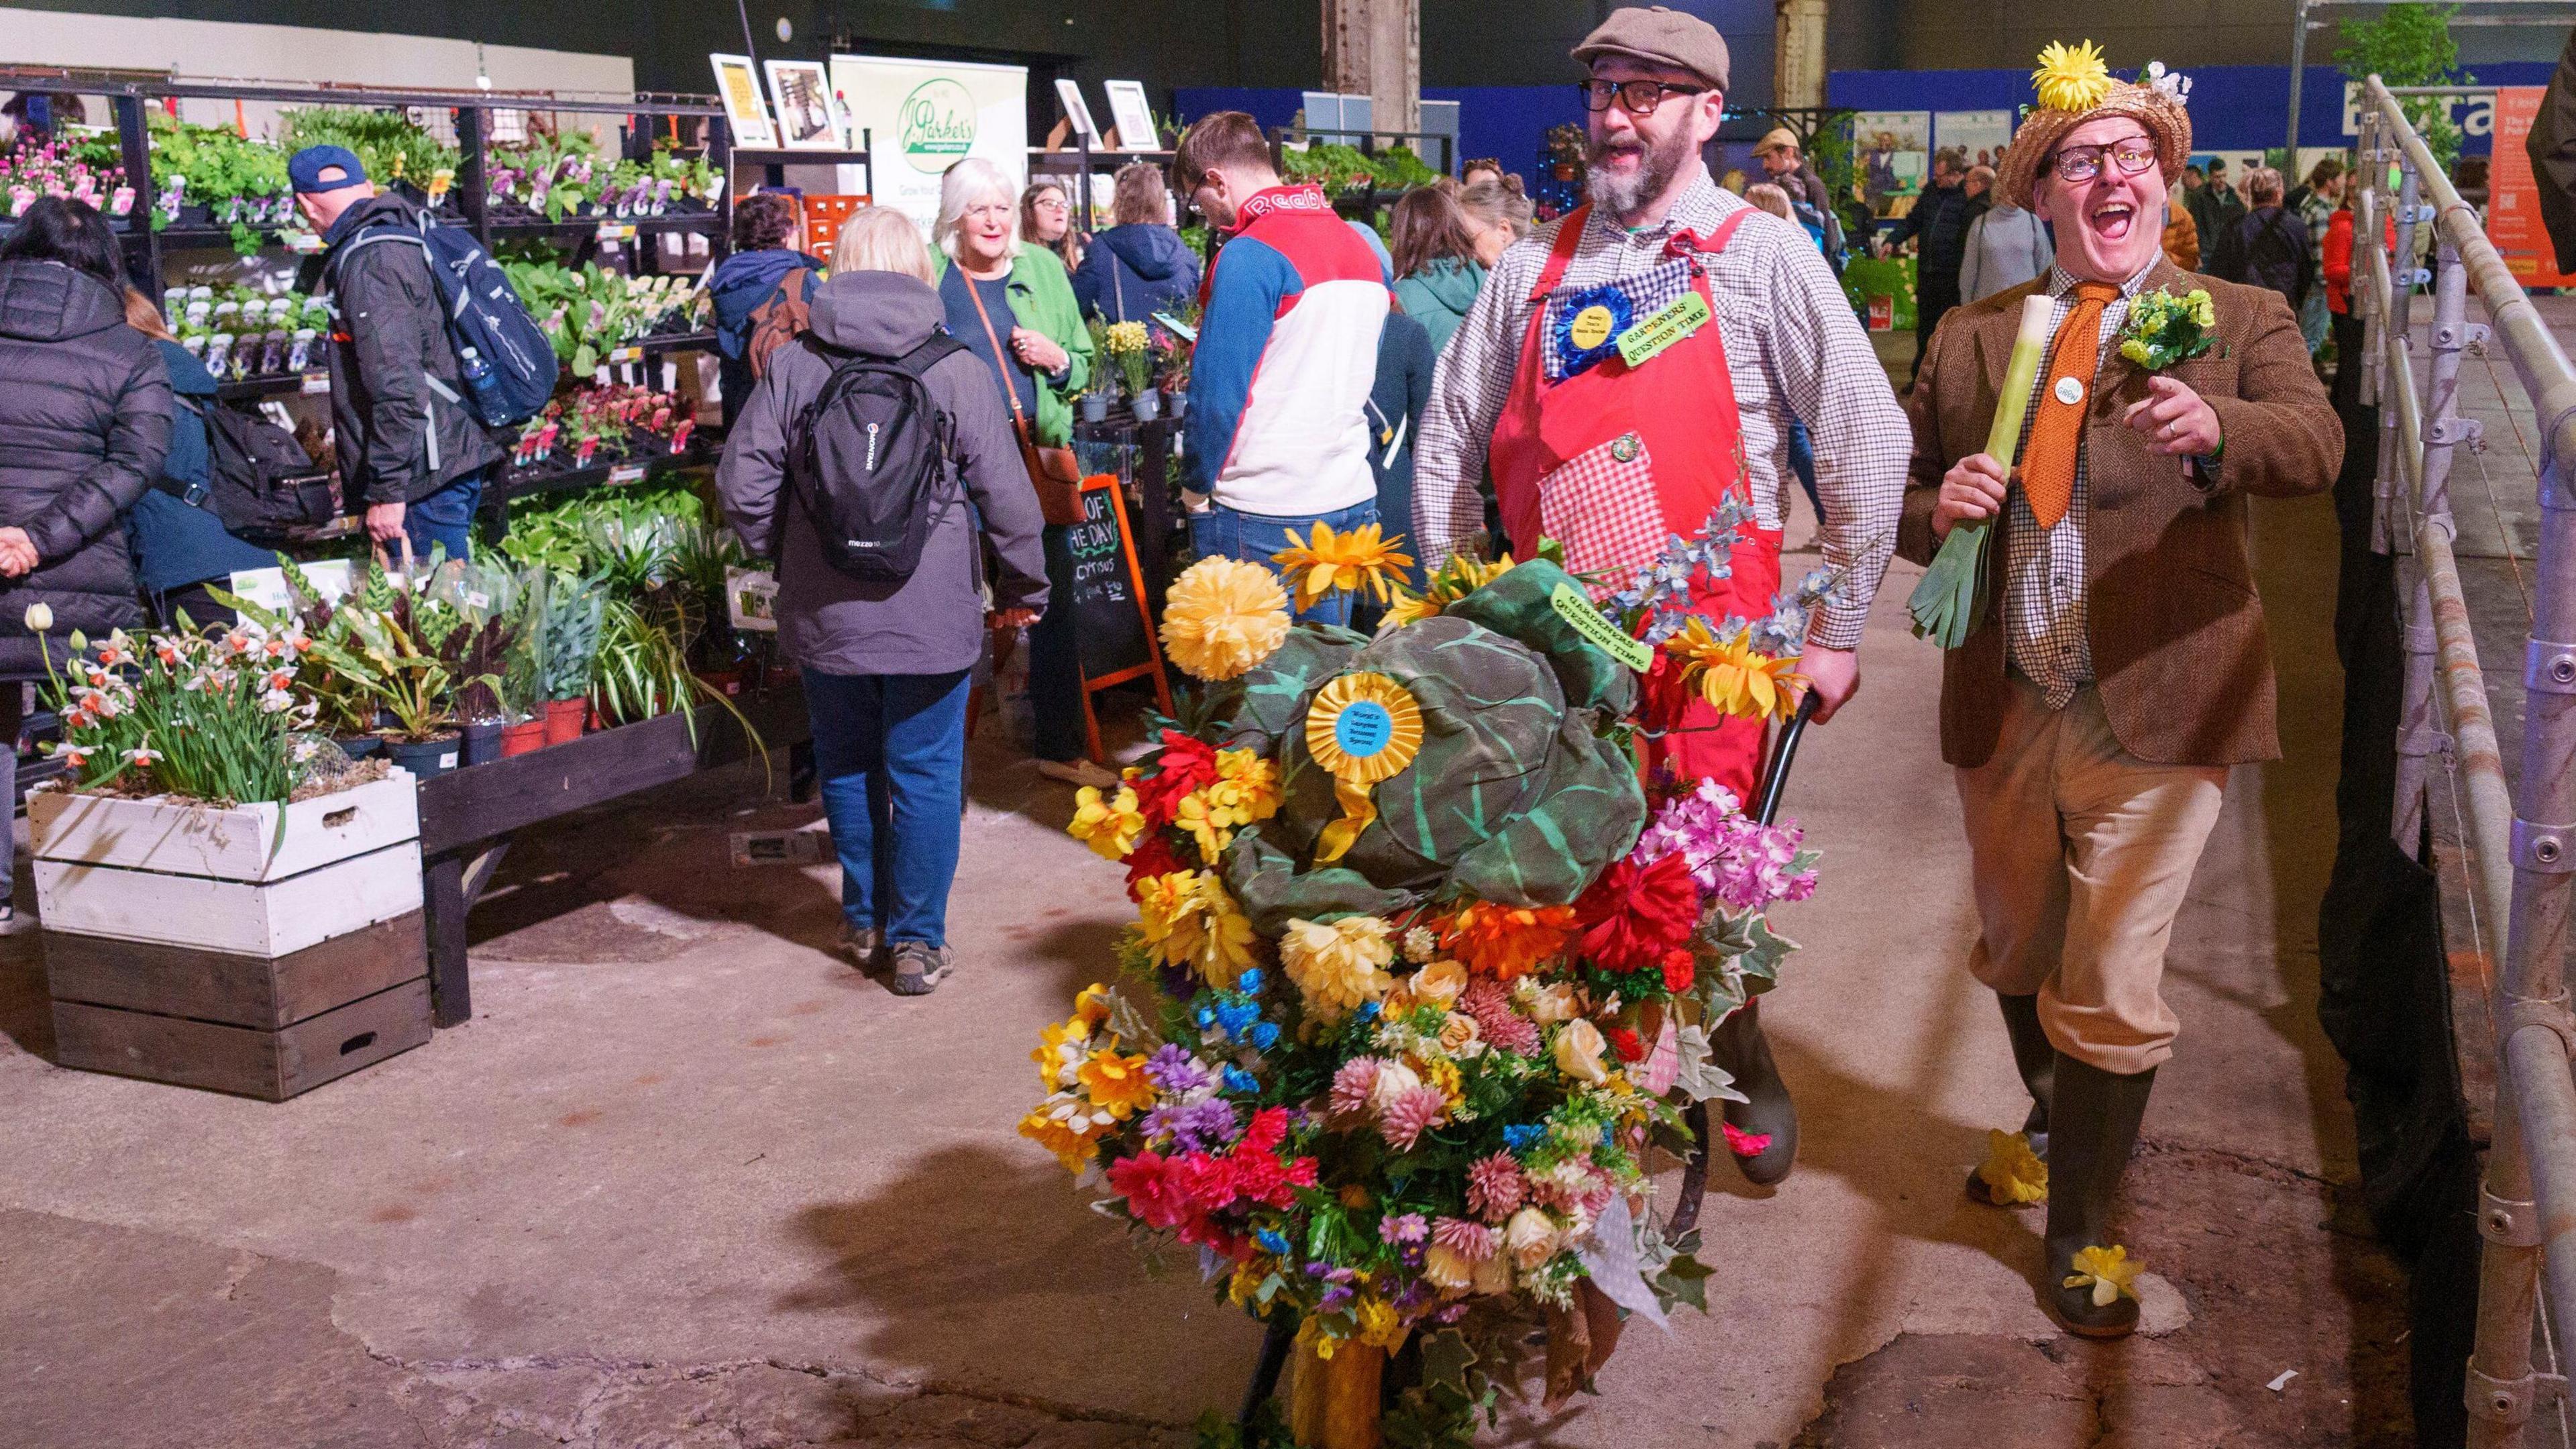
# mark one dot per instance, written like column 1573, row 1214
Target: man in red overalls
column 1611, row 458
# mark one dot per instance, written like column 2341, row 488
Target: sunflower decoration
column 2071, row 77
column 1363, row 728
column 1224, row 616
column 1360, row 560
column 1732, row 675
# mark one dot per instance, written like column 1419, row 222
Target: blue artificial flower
column 1519, row 1136
column 1239, row 1080
column 1265, row 1035
column 1234, row 1016
column 1249, row 983
column 1606, row 1134
column 1206, row 1017
column 1272, row 1241
column 1368, row 1011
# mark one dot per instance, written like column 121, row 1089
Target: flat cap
column 1781, row 138
column 1660, row 36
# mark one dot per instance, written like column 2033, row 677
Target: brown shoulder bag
column 1052, row 471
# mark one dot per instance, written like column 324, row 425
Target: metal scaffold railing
column 2521, row 864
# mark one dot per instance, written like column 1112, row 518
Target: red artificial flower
column 1634, row 914
column 1268, row 1129
column 1184, row 766
column 1157, row 1195
column 1681, row 968
column 1154, row 855
column 1625, row 1041
column 1743, row 1143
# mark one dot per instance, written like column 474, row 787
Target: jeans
column 1055, row 658
column 1802, row 461
column 1221, row 532
column 445, row 519
column 890, row 750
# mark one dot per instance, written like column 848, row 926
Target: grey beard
column 1624, row 196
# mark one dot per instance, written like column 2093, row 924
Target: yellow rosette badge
column 1362, row 728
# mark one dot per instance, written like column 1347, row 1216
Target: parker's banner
column 924, row 116
column 2513, row 198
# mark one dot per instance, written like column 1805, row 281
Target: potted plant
column 228, row 903
column 1096, row 398
column 1132, row 351
column 484, row 598
column 566, row 614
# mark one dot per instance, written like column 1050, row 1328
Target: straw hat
column 2075, row 86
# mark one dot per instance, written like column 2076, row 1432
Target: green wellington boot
column 1769, row 1117
column 2093, row 1128
column 2007, row 1162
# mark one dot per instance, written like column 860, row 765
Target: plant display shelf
column 468, row 816
column 621, row 473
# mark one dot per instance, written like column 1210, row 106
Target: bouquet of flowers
column 1421, row 976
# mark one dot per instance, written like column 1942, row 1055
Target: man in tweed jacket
column 2120, row 663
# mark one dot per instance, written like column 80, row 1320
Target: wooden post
column 1333, row 1403
column 1374, row 48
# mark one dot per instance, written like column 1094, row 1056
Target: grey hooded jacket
column 933, row 622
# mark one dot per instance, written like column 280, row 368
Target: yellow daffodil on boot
column 2012, row 1174
column 2110, row 1272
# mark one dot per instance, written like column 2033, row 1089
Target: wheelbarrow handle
column 1784, row 753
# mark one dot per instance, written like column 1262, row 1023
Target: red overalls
column 1612, row 461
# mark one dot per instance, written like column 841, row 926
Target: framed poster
column 1068, row 92
column 1981, row 134
column 739, row 85
column 804, row 96
column 1135, row 118
column 1893, row 151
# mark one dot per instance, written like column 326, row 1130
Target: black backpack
column 869, row 459
column 258, row 479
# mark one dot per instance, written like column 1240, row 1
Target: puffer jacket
column 398, row 440
column 84, row 421
column 932, row 622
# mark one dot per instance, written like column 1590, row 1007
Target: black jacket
column 84, row 420
column 2552, row 146
column 2268, row 248
column 1132, row 271
column 1939, row 221
column 399, row 441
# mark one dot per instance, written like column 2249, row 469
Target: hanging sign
column 924, row 116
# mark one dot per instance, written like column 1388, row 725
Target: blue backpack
column 512, row 371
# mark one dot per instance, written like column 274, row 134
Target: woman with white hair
column 887, row 663
column 1012, row 305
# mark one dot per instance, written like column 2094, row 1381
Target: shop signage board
column 1114, row 627
column 1134, row 118
column 745, row 109
column 2513, row 196
column 924, row 116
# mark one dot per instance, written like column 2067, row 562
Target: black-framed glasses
column 2132, row 154
column 1636, row 97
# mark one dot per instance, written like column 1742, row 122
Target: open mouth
column 2111, row 220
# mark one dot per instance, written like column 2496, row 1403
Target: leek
column 1946, row 604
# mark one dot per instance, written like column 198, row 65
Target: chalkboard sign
column 1113, row 622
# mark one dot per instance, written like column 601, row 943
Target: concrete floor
column 688, row 1180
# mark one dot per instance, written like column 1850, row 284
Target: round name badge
column 1363, row 728
column 2069, row 391
column 1591, row 327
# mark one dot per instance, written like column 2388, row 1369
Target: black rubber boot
column 1737, row 1046
column 2093, row 1129
column 2036, row 1060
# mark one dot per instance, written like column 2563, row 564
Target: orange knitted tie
column 2048, row 464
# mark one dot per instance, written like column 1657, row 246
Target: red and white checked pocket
column 1601, row 505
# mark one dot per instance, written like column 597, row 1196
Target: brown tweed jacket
column 2180, row 654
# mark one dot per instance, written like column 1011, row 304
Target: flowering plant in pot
column 1132, row 350
column 201, row 717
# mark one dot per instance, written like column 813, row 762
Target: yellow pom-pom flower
column 1223, row 616
column 1324, row 562
column 2110, row 1272
column 1731, row 674
column 1339, row 967
column 2071, row 78
column 2012, row 1172
column 1110, row 826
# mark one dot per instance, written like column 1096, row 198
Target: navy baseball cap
column 304, row 169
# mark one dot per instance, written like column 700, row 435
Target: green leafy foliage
column 387, row 143
column 2410, row 45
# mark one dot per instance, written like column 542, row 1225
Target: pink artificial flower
column 1495, row 1187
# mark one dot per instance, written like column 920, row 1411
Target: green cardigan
column 1042, row 298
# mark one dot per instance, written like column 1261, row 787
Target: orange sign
column 2513, row 197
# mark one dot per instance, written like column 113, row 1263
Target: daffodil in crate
column 227, row 902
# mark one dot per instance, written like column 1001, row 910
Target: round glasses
column 1636, row 97
column 2132, row 154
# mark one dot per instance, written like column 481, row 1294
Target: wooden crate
column 266, row 993
column 269, row 1065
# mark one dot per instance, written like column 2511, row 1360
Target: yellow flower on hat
column 2012, row 1172
column 1324, row 562
column 2071, row 78
column 1223, row 616
column 2110, row 1271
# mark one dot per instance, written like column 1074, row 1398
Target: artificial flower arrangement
column 1422, row 974
column 2163, row 329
